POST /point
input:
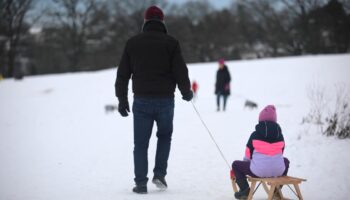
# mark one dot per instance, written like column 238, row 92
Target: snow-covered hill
column 57, row 142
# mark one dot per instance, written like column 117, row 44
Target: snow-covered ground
column 57, row 142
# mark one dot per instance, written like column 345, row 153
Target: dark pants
column 218, row 97
column 146, row 112
column 242, row 168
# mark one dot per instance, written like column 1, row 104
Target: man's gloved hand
column 123, row 107
column 188, row 96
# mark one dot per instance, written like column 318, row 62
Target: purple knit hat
column 221, row 61
column 268, row 114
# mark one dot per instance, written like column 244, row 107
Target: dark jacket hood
column 154, row 25
column 269, row 129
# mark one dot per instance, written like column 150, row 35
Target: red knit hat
column 154, row 12
column 268, row 114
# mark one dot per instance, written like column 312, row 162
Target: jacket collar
column 154, row 25
column 269, row 129
column 223, row 69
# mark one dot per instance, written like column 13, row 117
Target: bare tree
column 300, row 9
column 346, row 4
column 196, row 10
column 268, row 27
column 73, row 17
column 12, row 17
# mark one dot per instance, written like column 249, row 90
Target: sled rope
column 211, row 136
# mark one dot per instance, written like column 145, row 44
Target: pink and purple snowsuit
column 264, row 151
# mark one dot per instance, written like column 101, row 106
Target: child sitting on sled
column 264, row 153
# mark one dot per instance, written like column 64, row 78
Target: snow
column 57, row 142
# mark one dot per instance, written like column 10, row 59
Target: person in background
column 154, row 61
column 263, row 154
column 194, row 89
column 222, row 85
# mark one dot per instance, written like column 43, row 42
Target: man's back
column 155, row 62
column 153, row 59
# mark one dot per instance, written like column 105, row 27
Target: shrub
column 335, row 122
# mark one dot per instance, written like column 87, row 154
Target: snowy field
column 57, row 142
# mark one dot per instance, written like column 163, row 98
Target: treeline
column 77, row 35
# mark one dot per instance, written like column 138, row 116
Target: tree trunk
column 10, row 64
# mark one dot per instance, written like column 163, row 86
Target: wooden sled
column 272, row 184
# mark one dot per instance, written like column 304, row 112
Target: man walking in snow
column 154, row 61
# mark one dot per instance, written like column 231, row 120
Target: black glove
column 123, row 107
column 188, row 96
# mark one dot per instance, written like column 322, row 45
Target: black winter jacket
column 153, row 59
column 268, row 132
column 223, row 78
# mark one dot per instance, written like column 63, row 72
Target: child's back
column 264, row 152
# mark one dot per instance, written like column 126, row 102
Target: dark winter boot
column 140, row 189
column 160, row 182
column 276, row 194
column 243, row 189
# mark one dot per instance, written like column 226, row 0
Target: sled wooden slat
column 272, row 184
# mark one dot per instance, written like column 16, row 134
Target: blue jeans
column 218, row 96
column 146, row 112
